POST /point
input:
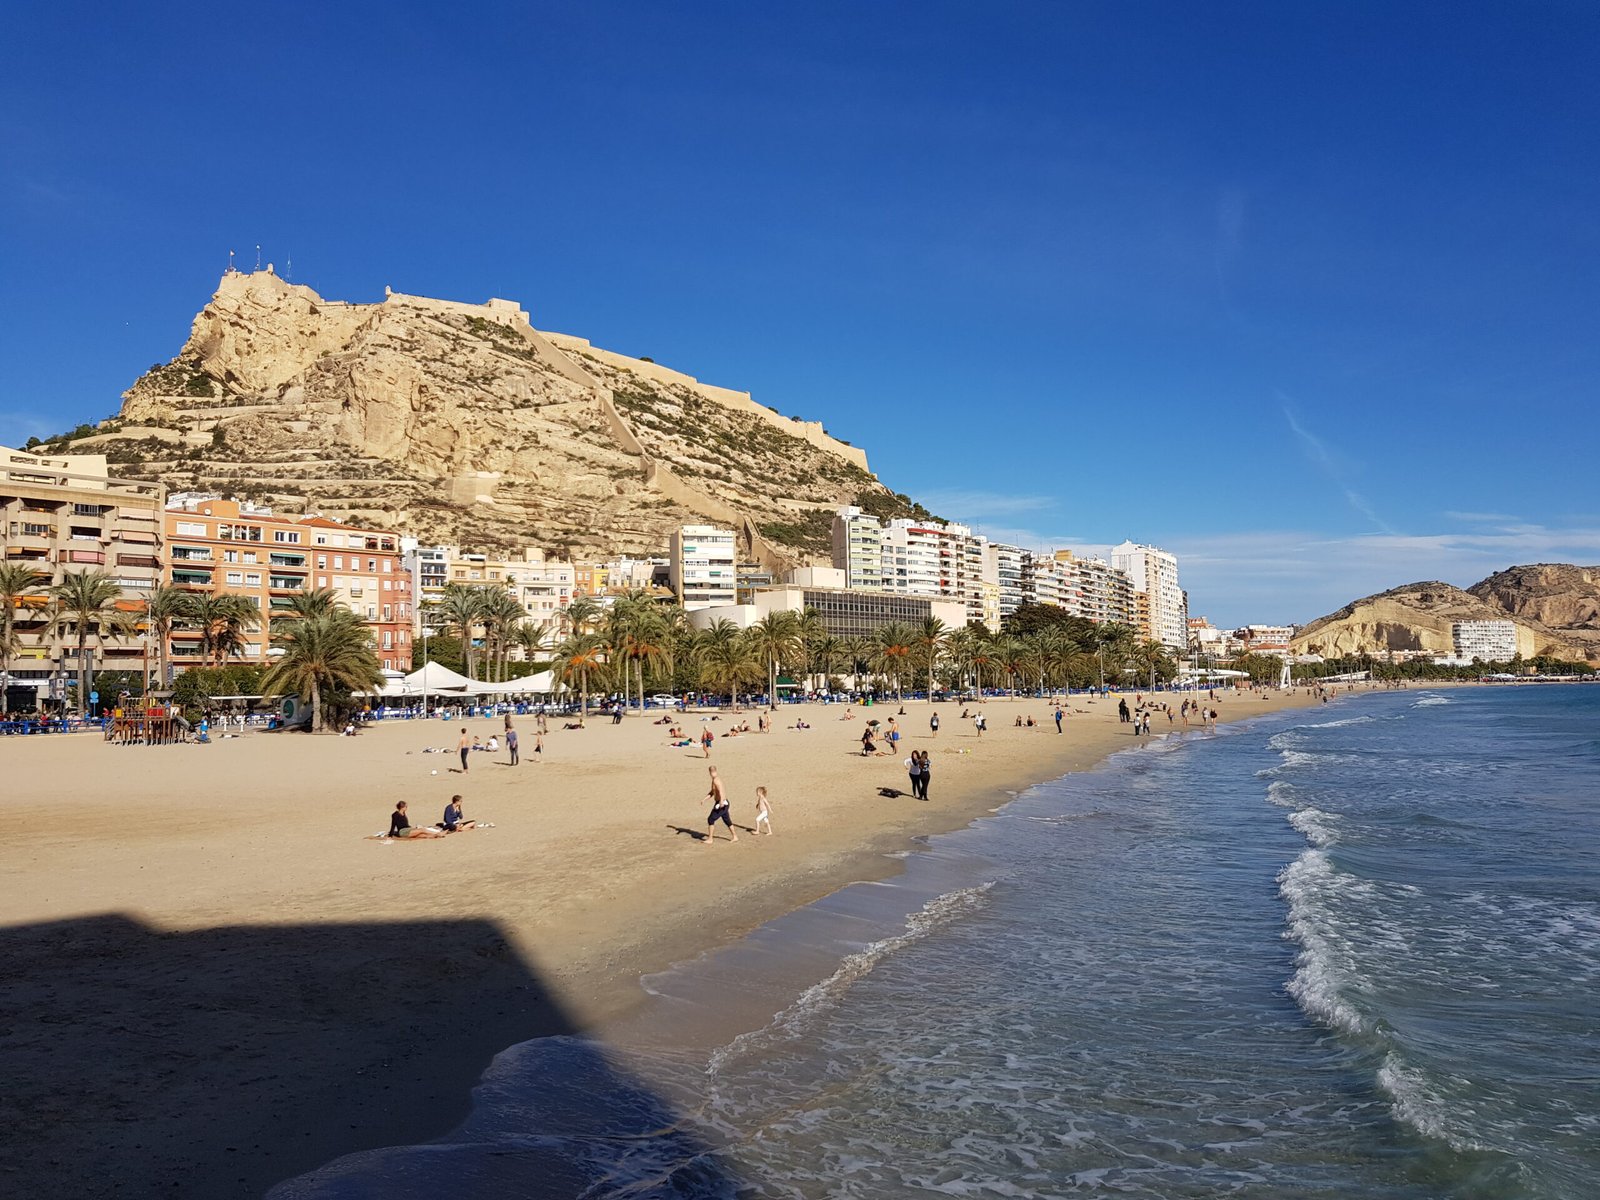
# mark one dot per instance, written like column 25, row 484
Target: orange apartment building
column 221, row 546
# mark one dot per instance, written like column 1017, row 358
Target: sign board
column 94, row 697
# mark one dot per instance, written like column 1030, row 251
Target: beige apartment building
column 66, row 513
column 543, row 586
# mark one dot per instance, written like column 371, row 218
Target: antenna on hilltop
column 230, row 262
column 258, row 257
column 288, row 269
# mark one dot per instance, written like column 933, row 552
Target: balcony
column 191, row 578
column 94, row 558
column 286, row 560
column 140, row 560
column 286, row 583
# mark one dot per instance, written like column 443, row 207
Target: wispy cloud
column 1294, row 576
column 1333, row 465
column 970, row 506
column 1477, row 518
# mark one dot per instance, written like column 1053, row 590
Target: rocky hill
column 1553, row 607
column 462, row 423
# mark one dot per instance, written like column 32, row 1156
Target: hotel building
column 1154, row 573
column 219, row 547
column 1489, row 641
column 63, row 514
column 702, row 567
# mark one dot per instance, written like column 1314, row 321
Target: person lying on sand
column 400, row 825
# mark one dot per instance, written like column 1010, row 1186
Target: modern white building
column 702, row 566
column 1489, row 641
column 1155, row 573
column 1013, row 575
column 858, row 547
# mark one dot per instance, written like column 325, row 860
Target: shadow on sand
column 136, row 1062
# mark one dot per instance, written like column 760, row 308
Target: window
column 253, row 579
column 372, row 613
column 322, row 562
column 191, row 529
column 386, row 616
column 387, row 584
column 322, row 581
column 388, row 565
column 235, row 579
column 372, row 565
column 230, row 556
column 321, row 539
column 286, row 535
column 338, row 562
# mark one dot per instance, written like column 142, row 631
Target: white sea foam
column 1322, row 970
column 1341, row 723
column 1420, row 1105
column 1432, row 702
column 1281, row 793
column 819, row 997
column 1320, row 828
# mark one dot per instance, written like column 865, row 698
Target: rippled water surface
column 1351, row 951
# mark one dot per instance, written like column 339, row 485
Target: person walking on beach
column 511, row 743
column 980, row 724
column 464, row 746
column 705, row 741
column 913, row 765
column 924, row 773
column 1058, row 720
column 763, row 812
column 719, row 809
column 1122, row 710
column 933, row 724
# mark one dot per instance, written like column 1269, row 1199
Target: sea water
column 1348, row 951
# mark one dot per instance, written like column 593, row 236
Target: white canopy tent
column 435, row 680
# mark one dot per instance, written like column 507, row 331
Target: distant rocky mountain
column 1556, row 609
column 462, row 423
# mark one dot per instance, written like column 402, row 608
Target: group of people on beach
column 454, row 821
column 467, row 743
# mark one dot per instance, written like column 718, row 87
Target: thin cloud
column 970, row 506
column 1477, row 518
column 1334, row 467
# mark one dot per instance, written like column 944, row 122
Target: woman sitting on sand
column 400, row 825
column 868, row 747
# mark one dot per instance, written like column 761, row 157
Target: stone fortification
column 463, row 423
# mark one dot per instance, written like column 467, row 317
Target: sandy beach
column 215, row 979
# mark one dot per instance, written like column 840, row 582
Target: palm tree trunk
column 316, row 706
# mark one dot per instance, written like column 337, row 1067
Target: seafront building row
column 66, row 513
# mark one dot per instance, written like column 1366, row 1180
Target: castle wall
column 810, row 431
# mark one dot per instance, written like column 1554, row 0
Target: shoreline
column 386, row 1022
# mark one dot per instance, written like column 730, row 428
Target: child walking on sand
column 763, row 812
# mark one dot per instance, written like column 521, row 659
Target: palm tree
column 776, row 638
column 317, row 602
column 165, row 608
column 84, row 604
column 223, row 620
column 580, row 656
column 644, row 640
column 813, row 632
column 19, row 585
column 462, row 609
column 725, row 658
column 1115, row 637
column 329, row 651
column 931, row 638
column 501, row 614
column 583, row 614
column 827, row 653
column 891, row 652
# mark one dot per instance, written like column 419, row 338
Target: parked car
column 664, row 700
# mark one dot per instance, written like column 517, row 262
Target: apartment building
column 66, row 513
column 858, row 547
column 217, row 546
column 1489, row 641
column 845, row 611
column 1099, row 591
column 543, row 586
column 1154, row 573
column 701, row 566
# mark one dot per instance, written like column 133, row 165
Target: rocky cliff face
column 1553, row 596
column 462, row 423
column 1553, row 607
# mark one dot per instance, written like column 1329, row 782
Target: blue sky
column 1305, row 294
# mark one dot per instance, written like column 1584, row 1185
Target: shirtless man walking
column 720, row 811
column 464, row 745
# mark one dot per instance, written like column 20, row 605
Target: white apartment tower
column 1155, row 573
column 858, row 548
column 702, row 566
column 1490, row 641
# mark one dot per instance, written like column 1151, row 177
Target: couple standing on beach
column 920, row 770
column 722, row 811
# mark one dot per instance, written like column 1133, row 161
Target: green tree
column 20, row 588
column 775, row 638
column 581, row 657
column 893, row 646
column 724, row 659
column 223, row 620
column 932, row 636
column 84, row 606
column 166, row 609
column 322, row 654
column 461, row 607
